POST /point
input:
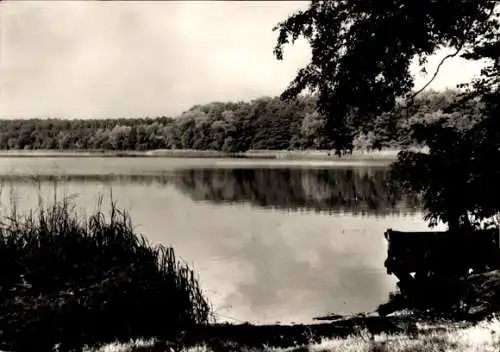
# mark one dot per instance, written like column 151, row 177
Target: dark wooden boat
column 411, row 255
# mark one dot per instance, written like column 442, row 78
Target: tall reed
column 71, row 281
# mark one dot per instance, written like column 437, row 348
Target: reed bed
column 72, row 281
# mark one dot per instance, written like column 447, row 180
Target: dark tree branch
column 449, row 56
column 460, row 47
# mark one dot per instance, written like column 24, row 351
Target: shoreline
column 356, row 155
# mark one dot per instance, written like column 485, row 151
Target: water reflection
column 357, row 191
column 288, row 264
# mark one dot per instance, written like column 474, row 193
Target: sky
column 88, row 59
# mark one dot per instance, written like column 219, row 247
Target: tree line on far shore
column 267, row 123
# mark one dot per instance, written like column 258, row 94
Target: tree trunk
column 454, row 223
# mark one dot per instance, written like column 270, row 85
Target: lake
column 271, row 240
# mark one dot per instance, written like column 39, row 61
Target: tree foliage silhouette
column 362, row 51
column 360, row 69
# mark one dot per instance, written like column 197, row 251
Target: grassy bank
column 460, row 337
column 361, row 155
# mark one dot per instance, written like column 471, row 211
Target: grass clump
column 71, row 281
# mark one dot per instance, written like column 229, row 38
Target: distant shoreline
column 388, row 155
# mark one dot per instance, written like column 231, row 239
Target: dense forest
column 262, row 124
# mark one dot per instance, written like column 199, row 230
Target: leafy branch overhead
column 362, row 51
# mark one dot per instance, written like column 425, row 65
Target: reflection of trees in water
column 356, row 191
column 363, row 191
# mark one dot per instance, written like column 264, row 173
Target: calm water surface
column 271, row 240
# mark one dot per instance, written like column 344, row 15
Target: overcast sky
column 125, row 59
